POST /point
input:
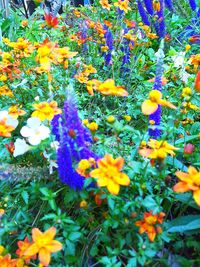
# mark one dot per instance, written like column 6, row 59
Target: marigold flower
column 105, row 4
column 127, row 118
column 197, row 82
column 123, row 5
column 151, row 105
column 148, row 224
column 84, row 166
column 157, row 149
column 43, row 244
column 22, row 247
column 109, row 88
column 108, row 174
column 46, row 111
column 93, row 126
column 15, row 112
column 110, row 119
column 7, row 124
column 2, row 211
column 4, row 90
column 189, row 181
column 6, row 261
column 156, row 5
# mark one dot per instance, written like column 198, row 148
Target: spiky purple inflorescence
column 161, row 21
column 109, row 43
column 154, row 131
column 143, row 13
column 126, row 51
column 169, row 4
column 149, row 6
column 193, row 4
column 72, row 137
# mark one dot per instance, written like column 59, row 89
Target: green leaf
column 184, row 223
column 74, row 236
column 150, row 204
column 25, row 196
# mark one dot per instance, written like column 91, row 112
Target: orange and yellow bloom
column 109, row 174
column 150, row 105
column 148, row 224
column 190, row 181
column 157, row 150
column 46, row 111
column 43, row 244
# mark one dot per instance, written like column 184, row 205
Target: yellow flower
column 160, row 149
column 2, row 249
column 127, row 118
column 4, row 90
column 105, row 4
column 189, row 181
column 186, row 91
column 85, row 122
column 93, row 126
column 110, row 119
column 2, row 211
column 84, row 165
column 46, row 111
column 83, row 204
column 187, row 47
column 3, row 78
column 151, row 105
column 109, row 88
column 43, row 244
column 122, row 5
column 109, row 174
column 15, row 112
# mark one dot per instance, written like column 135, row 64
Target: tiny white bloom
column 35, row 131
column 21, row 147
column 54, row 145
column 179, row 59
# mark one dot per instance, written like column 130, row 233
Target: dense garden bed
column 99, row 135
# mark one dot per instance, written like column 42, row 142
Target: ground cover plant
column 99, row 135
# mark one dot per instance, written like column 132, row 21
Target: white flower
column 179, row 59
column 35, row 132
column 21, row 147
column 54, row 145
column 9, row 120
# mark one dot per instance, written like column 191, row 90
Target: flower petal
column 32, row 250
column 113, row 188
column 181, row 187
column 44, row 256
column 196, row 195
column 54, row 246
column 149, row 107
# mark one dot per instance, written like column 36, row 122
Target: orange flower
column 189, row 181
column 46, row 111
column 123, row 5
column 6, row 261
column 105, row 4
column 197, row 82
column 109, row 88
column 195, row 61
column 158, row 149
column 43, row 244
column 4, row 90
column 51, row 21
column 150, row 105
column 156, row 5
column 15, row 112
column 108, row 174
column 84, row 166
column 5, row 129
column 22, row 247
column 147, row 225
